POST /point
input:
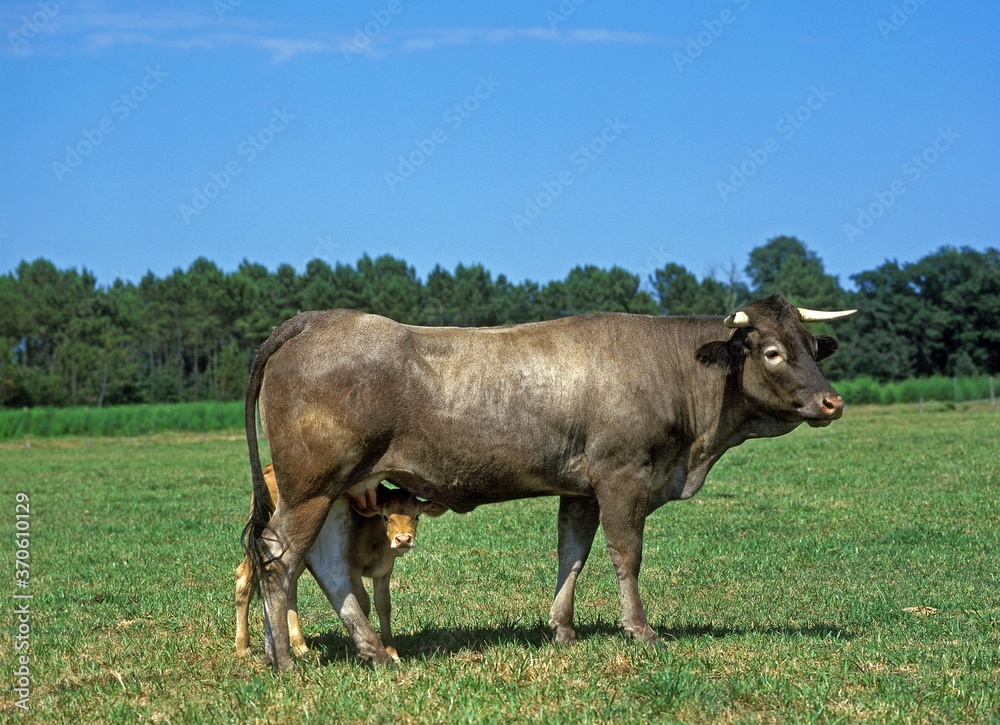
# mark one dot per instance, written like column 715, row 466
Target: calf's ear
column 825, row 347
column 434, row 509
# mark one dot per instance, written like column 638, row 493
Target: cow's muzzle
column 828, row 408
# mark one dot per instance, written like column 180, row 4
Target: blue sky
column 529, row 136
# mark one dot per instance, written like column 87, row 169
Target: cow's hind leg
column 246, row 583
column 578, row 520
column 288, row 536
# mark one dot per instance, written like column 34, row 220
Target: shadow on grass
column 435, row 642
column 817, row 631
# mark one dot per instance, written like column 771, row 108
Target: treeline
column 191, row 335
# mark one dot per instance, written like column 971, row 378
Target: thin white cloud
column 442, row 38
column 600, row 35
column 91, row 27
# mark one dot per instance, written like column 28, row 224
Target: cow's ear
column 434, row 509
column 714, row 354
column 825, row 347
column 722, row 354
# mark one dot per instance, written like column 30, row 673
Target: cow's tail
column 261, row 506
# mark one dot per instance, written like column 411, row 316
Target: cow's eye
column 772, row 354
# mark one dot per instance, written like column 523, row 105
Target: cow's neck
column 719, row 421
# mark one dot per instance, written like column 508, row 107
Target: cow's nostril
column 833, row 404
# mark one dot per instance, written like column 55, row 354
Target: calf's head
column 400, row 510
column 775, row 358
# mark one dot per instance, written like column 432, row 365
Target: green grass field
column 837, row 575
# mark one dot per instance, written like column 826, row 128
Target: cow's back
column 483, row 413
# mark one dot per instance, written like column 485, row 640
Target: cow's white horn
column 821, row 315
column 737, row 320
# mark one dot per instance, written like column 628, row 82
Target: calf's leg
column 246, row 582
column 295, row 638
column 328, row 561
column 578, row 520
column 383, row 605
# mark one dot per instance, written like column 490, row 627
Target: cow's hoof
column 380, row 659
column 564, row 636
column 646, row 635
column 284, row 667
column 653, row 640
column 300, row 650
column 280, row 666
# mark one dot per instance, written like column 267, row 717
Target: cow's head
column 400, row 510
column 775, row 357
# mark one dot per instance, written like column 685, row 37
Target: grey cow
column 614, row 413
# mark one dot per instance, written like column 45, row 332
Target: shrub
column 865, row 390
column 120, row 420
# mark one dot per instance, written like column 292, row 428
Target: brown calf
column 369, row 540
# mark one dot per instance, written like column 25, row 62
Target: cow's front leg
column 578, row 519
column 623, row 517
